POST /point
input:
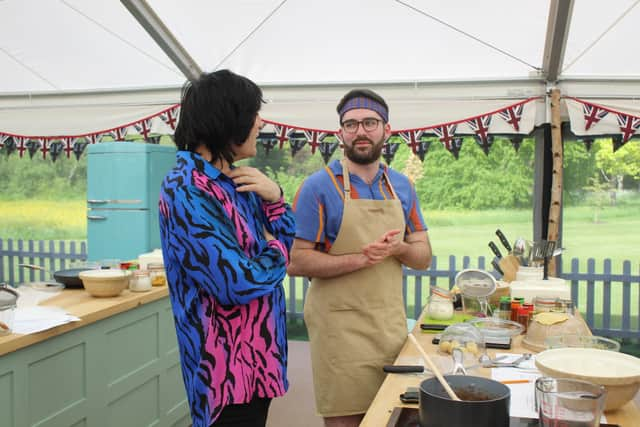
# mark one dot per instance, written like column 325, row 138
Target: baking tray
column 408, row 417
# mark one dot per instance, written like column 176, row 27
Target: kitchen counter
column 387, row 397
column 89, row 309
column 118, row 366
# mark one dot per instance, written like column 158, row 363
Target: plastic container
column 463, row 335
column 157, row 274
column 140, row 281
column 154, row 256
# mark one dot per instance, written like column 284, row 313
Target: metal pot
column 484, row 402
column 68, row 277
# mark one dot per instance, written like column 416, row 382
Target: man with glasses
column 357, row 223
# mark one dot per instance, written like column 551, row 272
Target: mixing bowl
column 105, row 283
column 619, row 373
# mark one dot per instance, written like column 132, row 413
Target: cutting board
column 458, row 317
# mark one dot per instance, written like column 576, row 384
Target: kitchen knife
column 503, row 240
column 402, row 369
column 496, row 267
column 495, row 250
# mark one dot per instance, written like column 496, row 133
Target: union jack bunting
column 512, row 115
column 10, row 145
column 516, row 141
column 617, row 142
column 389, row 150
column 93, row 138
column 327, row 149
column 282, row 133
column 79, row 147
column 314, row 138
column 588, row 143
column 170, row 117
column 20, row 146
column 143, row 127
column 445, row 134
column 480, row 126
column 592, row 115
column 33, row 145
column 628, row 126
column 44, row 147
column 268, row 144
column 68, row 146
column 120, row 133
column 412, row 138
column 55, row 149
column 422, row 148
column 296, row 145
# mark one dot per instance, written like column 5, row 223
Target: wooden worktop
column 387, row 397
column 89, row 309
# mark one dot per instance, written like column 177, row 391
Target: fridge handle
column 116, row 201
column 96, row 217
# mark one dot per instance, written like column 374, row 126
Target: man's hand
column 251, row 179
column 388, row 244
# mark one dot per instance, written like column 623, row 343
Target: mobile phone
column 410, row 395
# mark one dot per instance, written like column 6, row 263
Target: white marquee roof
column 77, row 66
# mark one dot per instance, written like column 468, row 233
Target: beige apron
column 356, row 322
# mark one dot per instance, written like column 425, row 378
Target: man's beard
column 364, row 158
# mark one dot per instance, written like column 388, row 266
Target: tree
column 616, row 165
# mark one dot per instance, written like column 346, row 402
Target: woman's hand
column 251, row 179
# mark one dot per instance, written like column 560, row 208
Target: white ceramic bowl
column 619, row 373
column 105, row 283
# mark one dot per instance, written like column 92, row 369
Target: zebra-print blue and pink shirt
column 225, row 284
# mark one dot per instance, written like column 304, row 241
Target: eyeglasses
column 369, row 124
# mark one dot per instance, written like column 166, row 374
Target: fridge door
column 117, row 233
column 126, row 175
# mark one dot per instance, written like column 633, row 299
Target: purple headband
column 368, row 103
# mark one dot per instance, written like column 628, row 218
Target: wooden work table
column 118, row 366
column 89, row 309
column 387, row 397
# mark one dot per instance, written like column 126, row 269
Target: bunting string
column 516, row 120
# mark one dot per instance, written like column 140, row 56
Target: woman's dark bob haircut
column 218, row 111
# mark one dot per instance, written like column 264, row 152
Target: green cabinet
column 122, row 371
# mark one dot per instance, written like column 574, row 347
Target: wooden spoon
column 433, row 368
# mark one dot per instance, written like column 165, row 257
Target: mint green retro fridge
column 123, row 186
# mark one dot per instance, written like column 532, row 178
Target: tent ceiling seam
column 123, row 40
column 471, row 36
column 251, row 33
column 31, row 70
column 604, row 33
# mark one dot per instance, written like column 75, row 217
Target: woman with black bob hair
column 226, row 233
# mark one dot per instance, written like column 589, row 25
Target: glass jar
column 140, row 281
column 440, row 304
column 156, row 272
column 543, row 305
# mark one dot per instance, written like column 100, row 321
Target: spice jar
column 440, row 304
column 156, row 273
column 8, row 304
column 140, row 281
column 504, row 309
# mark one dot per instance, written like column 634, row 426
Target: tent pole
column 555, row 205
column 159, row 32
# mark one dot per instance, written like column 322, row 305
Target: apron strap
column 347, row 182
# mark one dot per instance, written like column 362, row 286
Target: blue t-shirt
column 319, row 204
